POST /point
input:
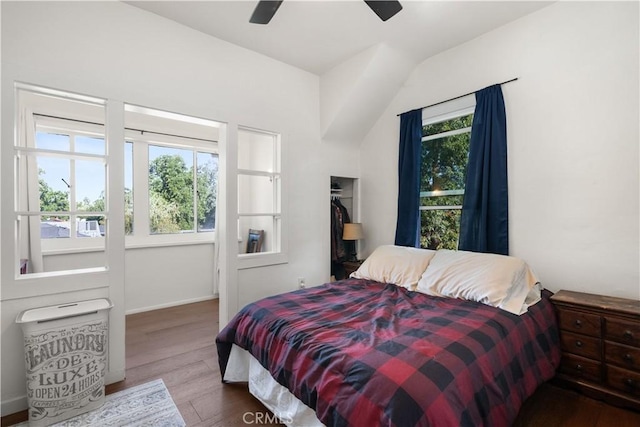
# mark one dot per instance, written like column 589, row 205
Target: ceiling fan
column 265, row 10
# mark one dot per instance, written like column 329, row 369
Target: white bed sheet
column 243, row 367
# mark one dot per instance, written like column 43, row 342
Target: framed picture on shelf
column 254, row 242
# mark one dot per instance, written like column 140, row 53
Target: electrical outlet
column 301, row 283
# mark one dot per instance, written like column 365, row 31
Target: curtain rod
column 457, row 97
column 142, row 131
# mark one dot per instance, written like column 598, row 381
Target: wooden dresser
column 600, row 339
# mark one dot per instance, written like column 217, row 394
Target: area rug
column 148, row 404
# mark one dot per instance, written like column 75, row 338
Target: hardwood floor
column 177, row 345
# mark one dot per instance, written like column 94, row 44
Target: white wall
column 164, row 276
column 115, row 51
column 150, row 284
column 572, row 124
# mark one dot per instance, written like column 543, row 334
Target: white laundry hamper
column 65, row 350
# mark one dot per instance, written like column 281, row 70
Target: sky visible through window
column 157, row 151
column 90, row 174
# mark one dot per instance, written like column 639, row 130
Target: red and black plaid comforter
column 363, row 353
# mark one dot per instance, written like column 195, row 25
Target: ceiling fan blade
column 264, row 11
column 384, row 9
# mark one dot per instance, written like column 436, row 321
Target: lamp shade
column 352, row 231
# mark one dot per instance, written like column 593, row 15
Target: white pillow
column 500, row 281
column 399, row 265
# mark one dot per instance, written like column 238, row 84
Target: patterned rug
column 145, row 405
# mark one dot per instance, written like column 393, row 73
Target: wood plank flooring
column 177, row 344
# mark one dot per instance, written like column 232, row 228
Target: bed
column 361, row 352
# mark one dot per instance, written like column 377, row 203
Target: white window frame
column 73, row 128
column 141, row 236
column 459, row 192
column 440, row 113
column 435, row 116
column 32, row 104
column 278, row 254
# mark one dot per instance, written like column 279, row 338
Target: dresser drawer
column 622, row 355
column 581, row 345
column 582, row 323
column 581, row 368
column 623, row 380
column 621, row 330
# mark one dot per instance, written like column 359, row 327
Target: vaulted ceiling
column 346, row 44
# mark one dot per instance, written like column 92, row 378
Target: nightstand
column 351, row 266
column 600, row 341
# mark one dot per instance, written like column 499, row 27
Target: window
column 259, row 189
column 62, row 161
column 182, row 190
column 61, row 170
column 70, row 161
column 445, row 153
column 171, row 177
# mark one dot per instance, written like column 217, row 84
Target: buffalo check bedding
column 364, row 353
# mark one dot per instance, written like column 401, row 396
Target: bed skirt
column 289, row 410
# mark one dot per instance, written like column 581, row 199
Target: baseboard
column 171, row 304
column 14, row 405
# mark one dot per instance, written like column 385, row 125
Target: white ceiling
column 318, row 35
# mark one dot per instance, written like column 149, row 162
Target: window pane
column 258, row 194
column 90, row 226
column 447, row 125
column 52, row 141
column 170, row 190
column 89, row 145
column 256, row 151
column 444, row 163
column 259, row 188
column 90, row 185
column 128, row 188
column 61, row 169
column 53, row 227
column 53, row 177
column 207, row 184
column 440, row 229
column 443, row 169
column 268, row 223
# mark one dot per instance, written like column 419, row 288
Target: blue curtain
column 408, row 225
column 484, row 224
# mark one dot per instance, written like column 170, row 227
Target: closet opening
column 344, row 210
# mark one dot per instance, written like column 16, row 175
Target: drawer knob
column 579, row 367
column 629, row 382
column 578, row 343
column 628, row 357
column 627, row 334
